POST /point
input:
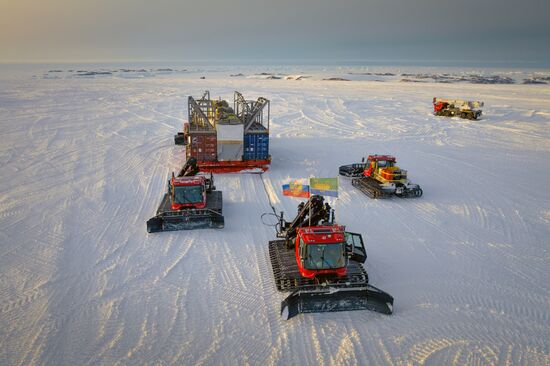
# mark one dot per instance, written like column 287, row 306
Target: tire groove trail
column 85, row 163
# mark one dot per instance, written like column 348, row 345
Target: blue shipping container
column 256, row 146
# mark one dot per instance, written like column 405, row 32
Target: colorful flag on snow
column 296, row 189
column 324, row 186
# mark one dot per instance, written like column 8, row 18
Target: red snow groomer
column 227, row 139
column 455, row 107
column 321, row 264
column 191, row 202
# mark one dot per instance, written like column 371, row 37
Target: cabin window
column 325, row 256
column 187, row 194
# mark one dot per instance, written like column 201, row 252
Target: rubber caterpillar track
column 288, row 277
column 372, row 189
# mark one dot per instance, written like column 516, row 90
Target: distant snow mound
column 296, row 77
column 337, row 79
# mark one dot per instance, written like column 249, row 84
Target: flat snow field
column 84, row 165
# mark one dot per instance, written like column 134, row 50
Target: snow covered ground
column 84, row 163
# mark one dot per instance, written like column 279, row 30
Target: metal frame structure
column 254, row 116
column 200, row 112
column 251, row 111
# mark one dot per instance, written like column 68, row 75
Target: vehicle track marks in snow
column 81, row 282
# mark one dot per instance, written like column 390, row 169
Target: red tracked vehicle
column 467, row 109
column 191, row 202
column 321, row 264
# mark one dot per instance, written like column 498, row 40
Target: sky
column 166, row 30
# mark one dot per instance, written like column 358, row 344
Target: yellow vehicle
column 380, row 177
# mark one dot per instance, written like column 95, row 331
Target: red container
column 203, row 146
